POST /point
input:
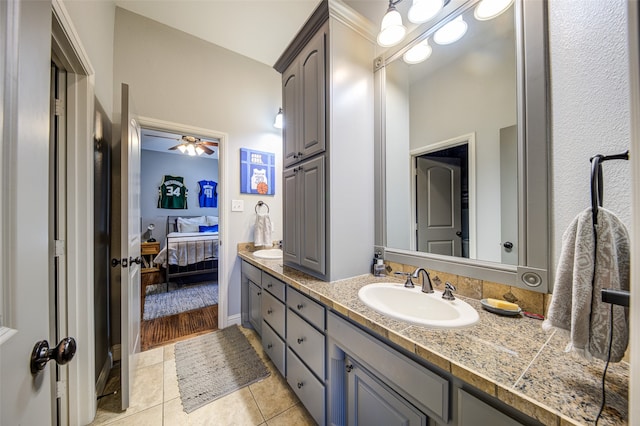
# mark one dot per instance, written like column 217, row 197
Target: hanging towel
column 262, row 230
column 576, row 304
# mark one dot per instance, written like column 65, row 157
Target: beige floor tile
column 273, row 395
column 149, row 417
column 147, row 358
column 238, row 408
column 171, row 389
column 169, row 352
column 147, row 388
column 296, row 415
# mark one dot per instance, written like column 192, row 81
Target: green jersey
column 172, row 194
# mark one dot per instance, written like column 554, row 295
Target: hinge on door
column 59, row 248
column 59, row 108
column 61, row 389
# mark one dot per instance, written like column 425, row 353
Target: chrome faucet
column 427, row 287
column 408, row 283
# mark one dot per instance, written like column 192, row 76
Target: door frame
column 80, row 386
column 226, row 265
column 470, row 140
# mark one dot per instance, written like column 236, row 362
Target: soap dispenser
column 379, row 268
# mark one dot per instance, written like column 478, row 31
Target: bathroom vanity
column 349, row 364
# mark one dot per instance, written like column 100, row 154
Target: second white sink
column 416, row 307
column 268, row 254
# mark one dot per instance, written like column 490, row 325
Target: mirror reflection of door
column 509, row 194
column 442, row 224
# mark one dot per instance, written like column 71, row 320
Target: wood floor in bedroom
column 170, row 329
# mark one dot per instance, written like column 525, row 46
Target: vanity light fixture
column 423, row 10
column 451, row 32
column 278, row 121
column 391, row 30
column 418, row 53
column 489, row 9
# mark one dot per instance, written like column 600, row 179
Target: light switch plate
column 237, row 205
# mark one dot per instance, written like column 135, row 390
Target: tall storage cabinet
column 327, row 91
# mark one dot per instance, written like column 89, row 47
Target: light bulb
column 423, row 10
column 417, row 53
column 182, row 148
column 191, row 150
column 451, row 32
column 278, row 121
column 489, row 9
column 199, row 150
column 391, row 30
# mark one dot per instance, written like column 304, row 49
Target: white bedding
column 187, row 248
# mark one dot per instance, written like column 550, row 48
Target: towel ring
column 260, row 204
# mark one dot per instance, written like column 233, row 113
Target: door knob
column 508, row 245
column 115, row 262
column 62, row 354
column 459, row 234
column 137, row 260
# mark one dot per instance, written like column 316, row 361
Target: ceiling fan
column 190, row 145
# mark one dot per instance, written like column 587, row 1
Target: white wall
column 94, row 22
column 179, row 78
column 590, row 106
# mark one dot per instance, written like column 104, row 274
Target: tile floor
column 156, row 401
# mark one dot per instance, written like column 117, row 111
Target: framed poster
column 257, row 172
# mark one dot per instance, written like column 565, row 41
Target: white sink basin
column 268, row 254
column 416, row 307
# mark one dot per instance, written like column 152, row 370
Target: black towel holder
column 596, row 180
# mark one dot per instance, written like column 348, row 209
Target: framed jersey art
column 172, row 193
column 257, row 172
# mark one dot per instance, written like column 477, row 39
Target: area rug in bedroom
column 214, row 365
column 180, row 300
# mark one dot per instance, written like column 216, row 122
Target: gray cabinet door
column 369, row 402
column 255, row 306
column 472, row 411
column 311, row 210
column 291, row 224
column 291, row 108
column 312, row 67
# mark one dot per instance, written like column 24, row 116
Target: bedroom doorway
column 181, row 226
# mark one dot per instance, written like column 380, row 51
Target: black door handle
column 62, row 354
column 508, row 245
column 459, row 233
column 137, row 260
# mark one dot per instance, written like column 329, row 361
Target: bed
column 191, row 247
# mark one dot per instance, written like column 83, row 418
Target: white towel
column 262, row 230
column 576, row 305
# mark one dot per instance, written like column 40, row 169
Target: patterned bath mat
column 181, row 300
column 213, row 365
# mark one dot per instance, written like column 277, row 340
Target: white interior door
column 438, row 206
column 129, row 245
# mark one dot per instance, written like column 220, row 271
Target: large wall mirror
column 462, row 145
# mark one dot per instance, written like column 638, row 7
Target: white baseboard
column 234, row 320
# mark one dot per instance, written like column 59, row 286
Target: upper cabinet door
column 292, row 113
column 313, row 96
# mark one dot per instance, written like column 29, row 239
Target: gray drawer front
column 274, row 347
column 472, row 411
column 307, row 342
column 273, row 312
column 253, row 273
column 307, row 308
column 273, row 286
column 306, row 386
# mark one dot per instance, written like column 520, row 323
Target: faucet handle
column 409, row 282
column 448, row 291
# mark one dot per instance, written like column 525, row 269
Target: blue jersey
column 208, row 196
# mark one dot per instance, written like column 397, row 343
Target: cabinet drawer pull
column 348, row 367
column 259, row 293
column 269, row 346
column 300, row 385
column 269, row 285
column 300, row 306
column 269, row 311
column 300, row 340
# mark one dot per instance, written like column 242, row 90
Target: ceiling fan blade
column 164, row 137
column 174, row 147
column 207, row 151
column 209, row 143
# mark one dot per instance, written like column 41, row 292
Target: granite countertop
column 510, row 358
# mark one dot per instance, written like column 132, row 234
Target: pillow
column 204, row 228
column 212, row 220
column 190, row 224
